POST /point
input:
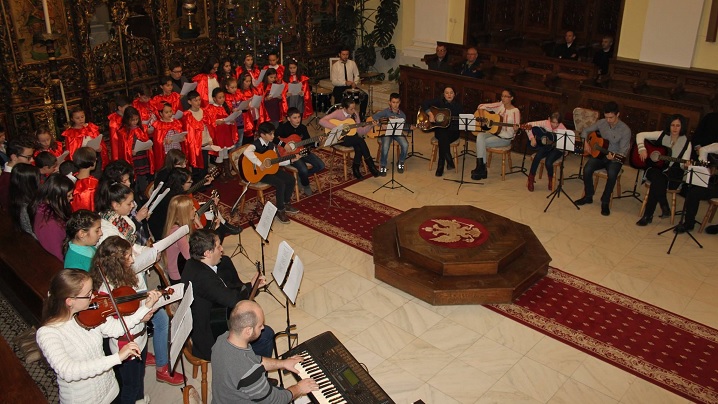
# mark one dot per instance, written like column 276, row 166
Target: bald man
column 238, row 374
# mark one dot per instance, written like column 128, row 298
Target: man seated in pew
column 441, row 63
column 472, row 66
column 604, row 55
column 568, row 50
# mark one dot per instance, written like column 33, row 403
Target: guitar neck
column 196, row 187
column 306, row 141
column 280, row 159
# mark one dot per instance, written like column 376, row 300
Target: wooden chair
column 582, row 119
column 710, row 213
column 435, row 152
column 295, row 173
column 259, row 187
column 505, row 153
column 346, row 152
column 556, row 168
column 197, row 364
column 672, row 192
column 602, row 173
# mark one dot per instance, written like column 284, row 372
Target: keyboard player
column 238, row 374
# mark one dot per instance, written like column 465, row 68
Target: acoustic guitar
column 296, row 144
column 350, row 127
column 491, row 122
column 442, row 118
column 270, row 164
column 211, row 174
column 597, row 147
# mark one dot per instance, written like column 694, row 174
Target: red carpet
column 666, row 349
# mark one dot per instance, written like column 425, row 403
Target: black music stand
column 262, row 229
column 332, row 140
column 566, row 143
column 696, row 179
column 522, row 168
column 412, row 153
column 632, row 193
column 392, row 130
column 464, row 124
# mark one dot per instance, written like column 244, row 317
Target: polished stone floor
column 469, row 354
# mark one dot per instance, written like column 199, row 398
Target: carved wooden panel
column 538, row 17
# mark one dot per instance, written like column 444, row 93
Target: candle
column 46, row 13
column 64, row 102
column 281, row 52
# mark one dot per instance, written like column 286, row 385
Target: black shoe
column 712, row 229
column 355, row 171
column 289, row 209
column 282, row 216
column 605, row 211
column 665, row 211
column 231, row 229
column 479, row 173
column 439, row 171
column 584, row 201
column 684, row 227
column 372, row 167
column 400, row 168
column 644, row 221
column 450, row 162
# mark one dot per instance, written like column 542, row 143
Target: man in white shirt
column 344, row 75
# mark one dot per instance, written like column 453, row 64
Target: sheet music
column 256, row 101
column 265, row 222
column 332, row 137
column 277, row 90
column 698, row 176
column 177, row 137
column 395, row 127
column 233, row 116
column 211, row 147
column 93, row 143
column 565, row 139
column 152, row 195
column 178, row 115
column 244, row 105
column 291, row 287
column 181, row 325
column 61, row 158
column 142, row 146
column 163, row 244
column 158, row 200
column 260, row 78
column 295, row 88
column 244, row 191
column 281, row 265
column 187, row 87
column 467, row 122
column 177, row 293
column 145, row 259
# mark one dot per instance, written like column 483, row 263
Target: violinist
column 84, row 373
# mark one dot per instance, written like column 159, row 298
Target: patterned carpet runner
column 668, row 350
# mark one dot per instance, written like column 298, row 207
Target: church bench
column 15, row 383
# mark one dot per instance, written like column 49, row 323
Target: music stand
column 467, row 123
column 696, row 176
column 288, row 272
column 333, row 138
column 632, row 193
column 566, row 142
column 393, row 128
column 412, row 153
column 263, row 228
column 522, row 168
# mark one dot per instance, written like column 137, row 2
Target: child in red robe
column 76, row 136
column 133, row 130
column 143, row 104
column 162, row 132
column 115, row 123
column 83, row 196
column 248, row 67
column 207, row 80
column 167, row 96
column 273, row 109
column 303, row 100
column 273, row 60
column 225, row 133
column 47, row 142
column 249, row 116
column 196, row 122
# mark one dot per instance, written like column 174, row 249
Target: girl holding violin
column 84, row 373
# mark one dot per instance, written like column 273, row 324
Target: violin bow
column 114, row 305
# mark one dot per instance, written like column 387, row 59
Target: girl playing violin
column 84, row 373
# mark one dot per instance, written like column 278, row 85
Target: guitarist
column 348, row 111
column 552, row 124
column 618, row 135
column 673, row 137
column 509, row 114
column 294, row 126
column 445, row 136
column 282, row 181
column 392, row 111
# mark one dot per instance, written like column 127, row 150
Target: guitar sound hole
column 440, row 118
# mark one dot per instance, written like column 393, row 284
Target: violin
column 128, row 301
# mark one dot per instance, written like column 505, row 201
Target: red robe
column 162, row 128
column 247, row 116
column 202, row 81
column 127, row 144
column 115, row 123
column 193, row 142
column 146, row 109
column 158, row 102
column 254, row 72
column 83, row 196
column 55, row 149
column 263, row 114
column 280, row 72
column 74, row 137
column 308, row 109
column 225, row 135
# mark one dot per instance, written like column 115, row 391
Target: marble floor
column 469, row 354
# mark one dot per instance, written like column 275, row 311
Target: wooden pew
column 26, row 269
column 15, row 383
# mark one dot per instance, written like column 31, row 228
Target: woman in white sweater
column 84, row 373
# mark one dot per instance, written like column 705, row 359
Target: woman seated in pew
column 548, row 151
column 674, row 138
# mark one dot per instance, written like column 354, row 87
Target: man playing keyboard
column 238, row 374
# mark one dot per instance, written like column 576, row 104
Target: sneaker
column 307, row 189
column 400, row 168
column 382, row 171
column 163, row 375
column 289, row 209
column 150, row 359
column 605, row 211
column 584, row 201
column 282, row 216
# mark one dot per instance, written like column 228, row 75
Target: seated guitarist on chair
column 293, row 130
column 664, row 178
column 348, row 112
column 509, row 114
column 282, row 181
column 445, row 136
column 618, row 135
column 550, row 152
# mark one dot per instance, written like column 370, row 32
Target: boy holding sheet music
column 392, row 112
column 82, row 134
